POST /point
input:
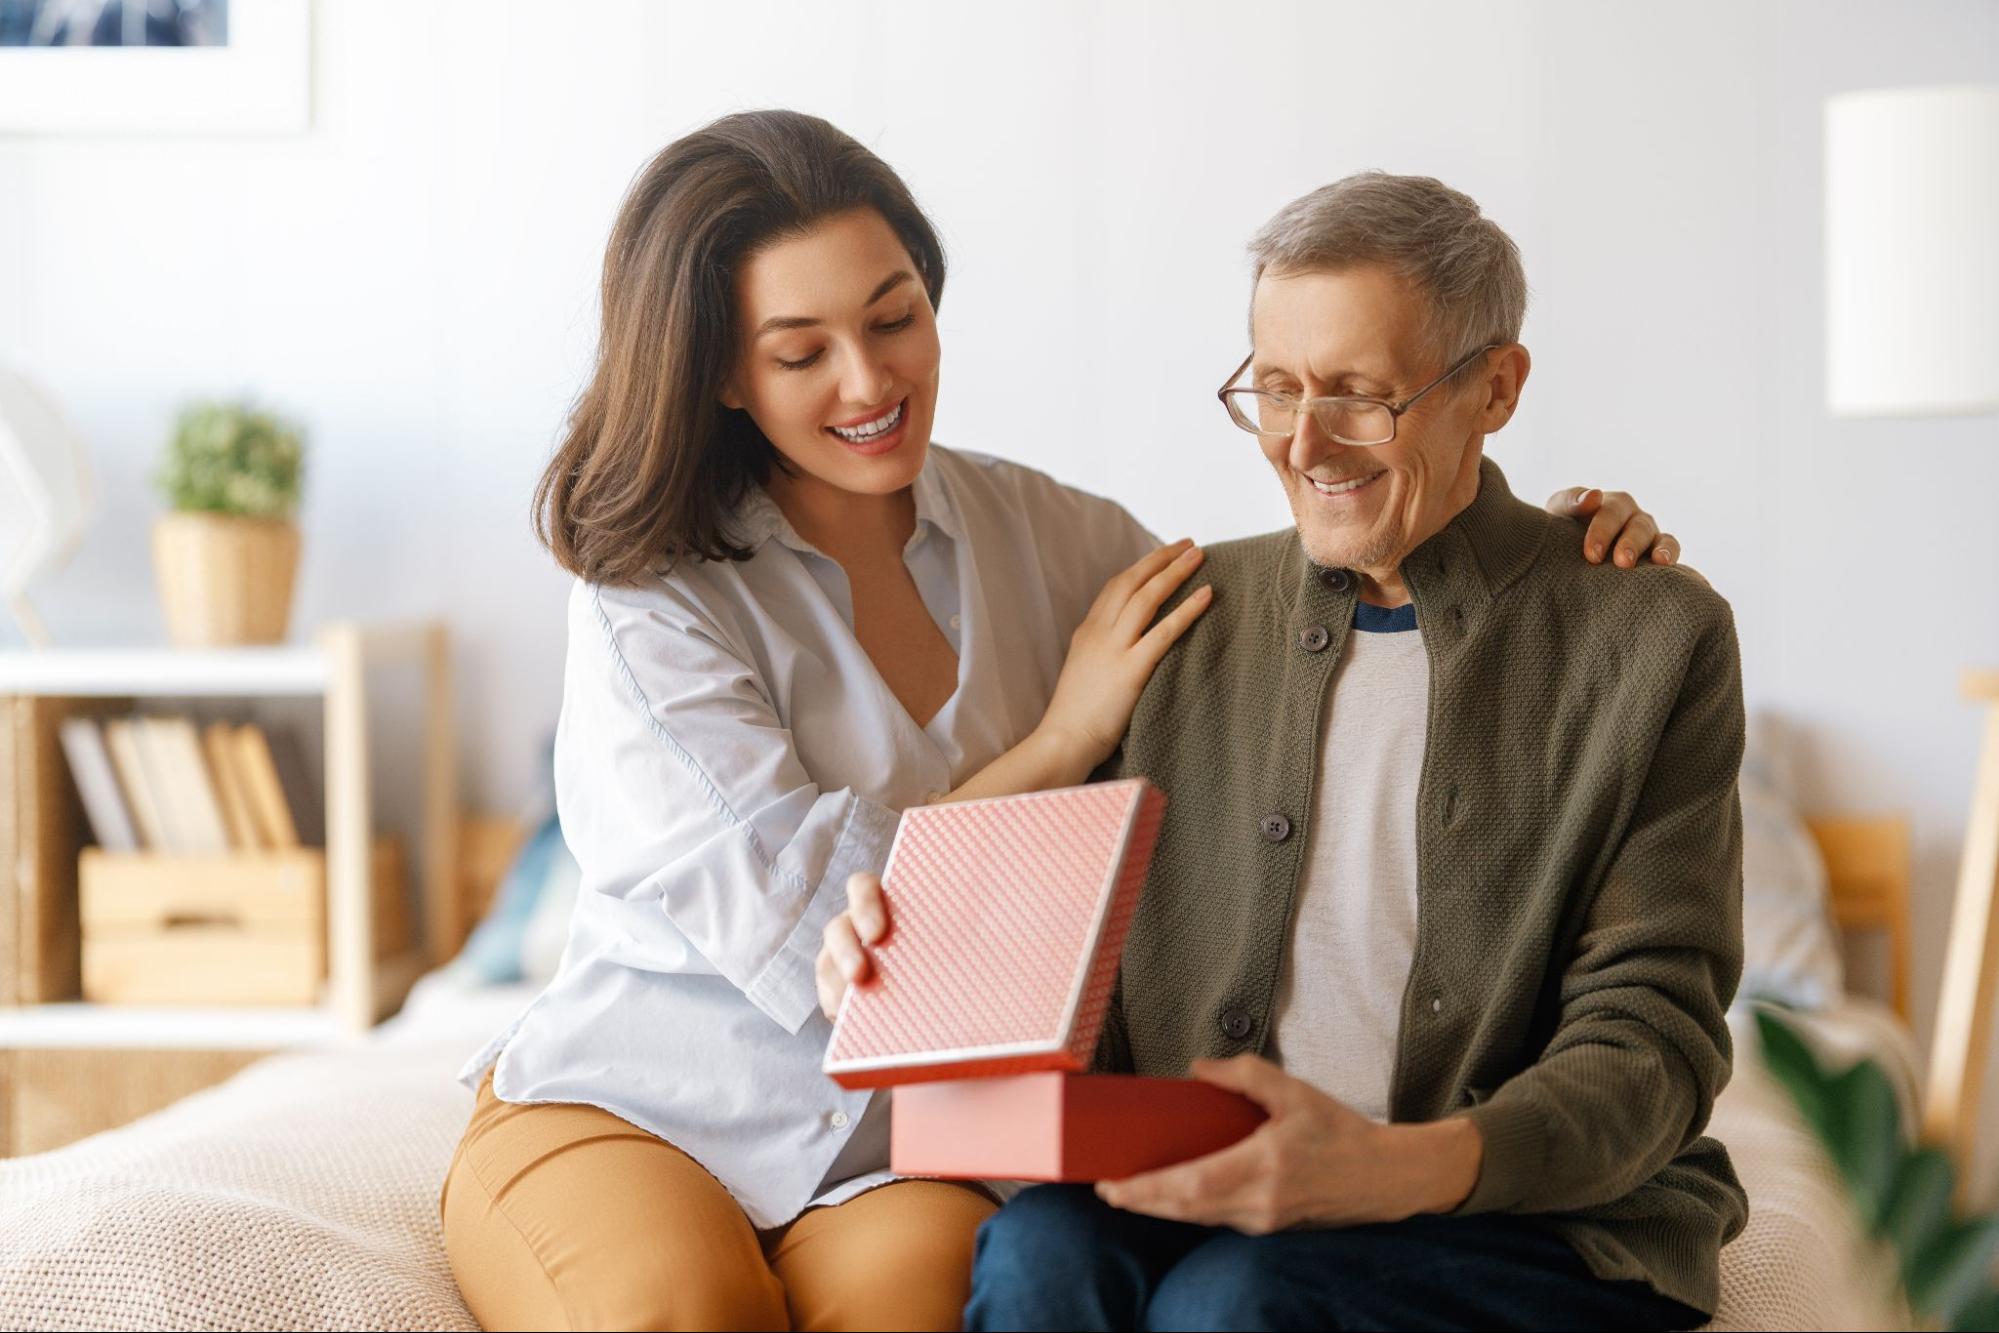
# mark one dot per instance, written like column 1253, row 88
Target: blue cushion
column 493, row 951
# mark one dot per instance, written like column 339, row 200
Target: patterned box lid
column 1007, row 918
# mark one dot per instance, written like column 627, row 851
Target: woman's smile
column 874, row 435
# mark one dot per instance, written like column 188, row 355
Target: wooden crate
column 246, row 928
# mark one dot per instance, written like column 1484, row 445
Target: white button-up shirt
column 726, row 757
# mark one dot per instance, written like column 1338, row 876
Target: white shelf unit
column 334, row 667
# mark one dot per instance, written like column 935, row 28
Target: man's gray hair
column 1420, row 228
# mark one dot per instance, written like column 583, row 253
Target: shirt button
column 1436, row 1004
column 838, row 1119
column 1236, row 1024
column 1313, row 638
column 957, row 622
column 1275, row 828
column 1335, row 580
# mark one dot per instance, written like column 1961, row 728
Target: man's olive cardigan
column 1579, row 866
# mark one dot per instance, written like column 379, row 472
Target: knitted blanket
column 302, row 1193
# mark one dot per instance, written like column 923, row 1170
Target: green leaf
column 1794, row 1067
column 1903, row 1195
column 230, row 458
column 1980, row 1315
column 1917, row 1208
column 1954, row 1270
column 1865, row 1136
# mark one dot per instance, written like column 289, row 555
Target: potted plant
column 1904, row 1193
column 227, row 553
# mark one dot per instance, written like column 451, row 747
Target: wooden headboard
column 1867, row 865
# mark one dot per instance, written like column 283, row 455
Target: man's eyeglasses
column 1356, row 421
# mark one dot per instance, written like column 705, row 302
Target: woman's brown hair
column 653, row 466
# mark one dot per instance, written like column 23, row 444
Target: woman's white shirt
column 726, row 757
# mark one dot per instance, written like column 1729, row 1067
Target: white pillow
column 1790, row 949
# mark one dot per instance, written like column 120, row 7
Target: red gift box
column 1007, row 921
column 1058, row 1126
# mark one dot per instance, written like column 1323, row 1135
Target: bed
column 302, row 1192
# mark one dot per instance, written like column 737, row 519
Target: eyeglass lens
column 1346, row 420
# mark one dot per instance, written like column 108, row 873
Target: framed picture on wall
column 155, row 66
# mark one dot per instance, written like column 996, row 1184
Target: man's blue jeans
column 1057, row 1257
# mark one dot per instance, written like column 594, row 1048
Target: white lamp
column 46, row 495
column 1912, row 329
column 1912, row 251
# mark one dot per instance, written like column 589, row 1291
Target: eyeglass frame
column 1302, row 405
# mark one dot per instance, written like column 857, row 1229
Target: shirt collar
column 1483, row 550
column 761, row 520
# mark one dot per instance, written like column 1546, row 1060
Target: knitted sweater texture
column 1579, row 866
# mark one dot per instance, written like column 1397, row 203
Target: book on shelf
column 301, row 790
column 195, row 791
column 220, row 747
column 192, row 814
column 259, row 772
column 121, row 738
column 97, row 785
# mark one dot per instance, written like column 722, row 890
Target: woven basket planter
column 225, row 580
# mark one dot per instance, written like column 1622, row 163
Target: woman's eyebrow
column 889, row 284
column 778, row 323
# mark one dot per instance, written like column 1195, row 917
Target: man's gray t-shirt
column 1353, row 926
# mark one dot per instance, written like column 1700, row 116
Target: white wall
column 414, row 278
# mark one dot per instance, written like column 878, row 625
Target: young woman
column 793, row 619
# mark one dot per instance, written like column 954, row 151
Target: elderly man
column 1450, row 879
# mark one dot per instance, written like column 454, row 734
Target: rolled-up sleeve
column 678, row 783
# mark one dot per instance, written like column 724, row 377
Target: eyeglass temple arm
column 1229, row 383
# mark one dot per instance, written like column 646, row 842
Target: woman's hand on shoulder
column 1113, row 653
column 1618, row 528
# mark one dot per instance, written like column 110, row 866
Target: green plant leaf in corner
column 1954, row 1270
column 1980, row 1316
column 1918, row 1205
column 1794, row 1067
column 1866, row 1136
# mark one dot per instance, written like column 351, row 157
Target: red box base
column 1059, row 1126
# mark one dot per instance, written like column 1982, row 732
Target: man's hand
column 1315, row 1162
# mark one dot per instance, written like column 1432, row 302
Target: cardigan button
column 1313, row 638
column 1275, row 828
column 1335, row 580
column 1236, row 1024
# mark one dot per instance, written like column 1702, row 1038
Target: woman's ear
column 729, row 396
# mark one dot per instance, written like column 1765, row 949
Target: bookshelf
column 335, row 667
